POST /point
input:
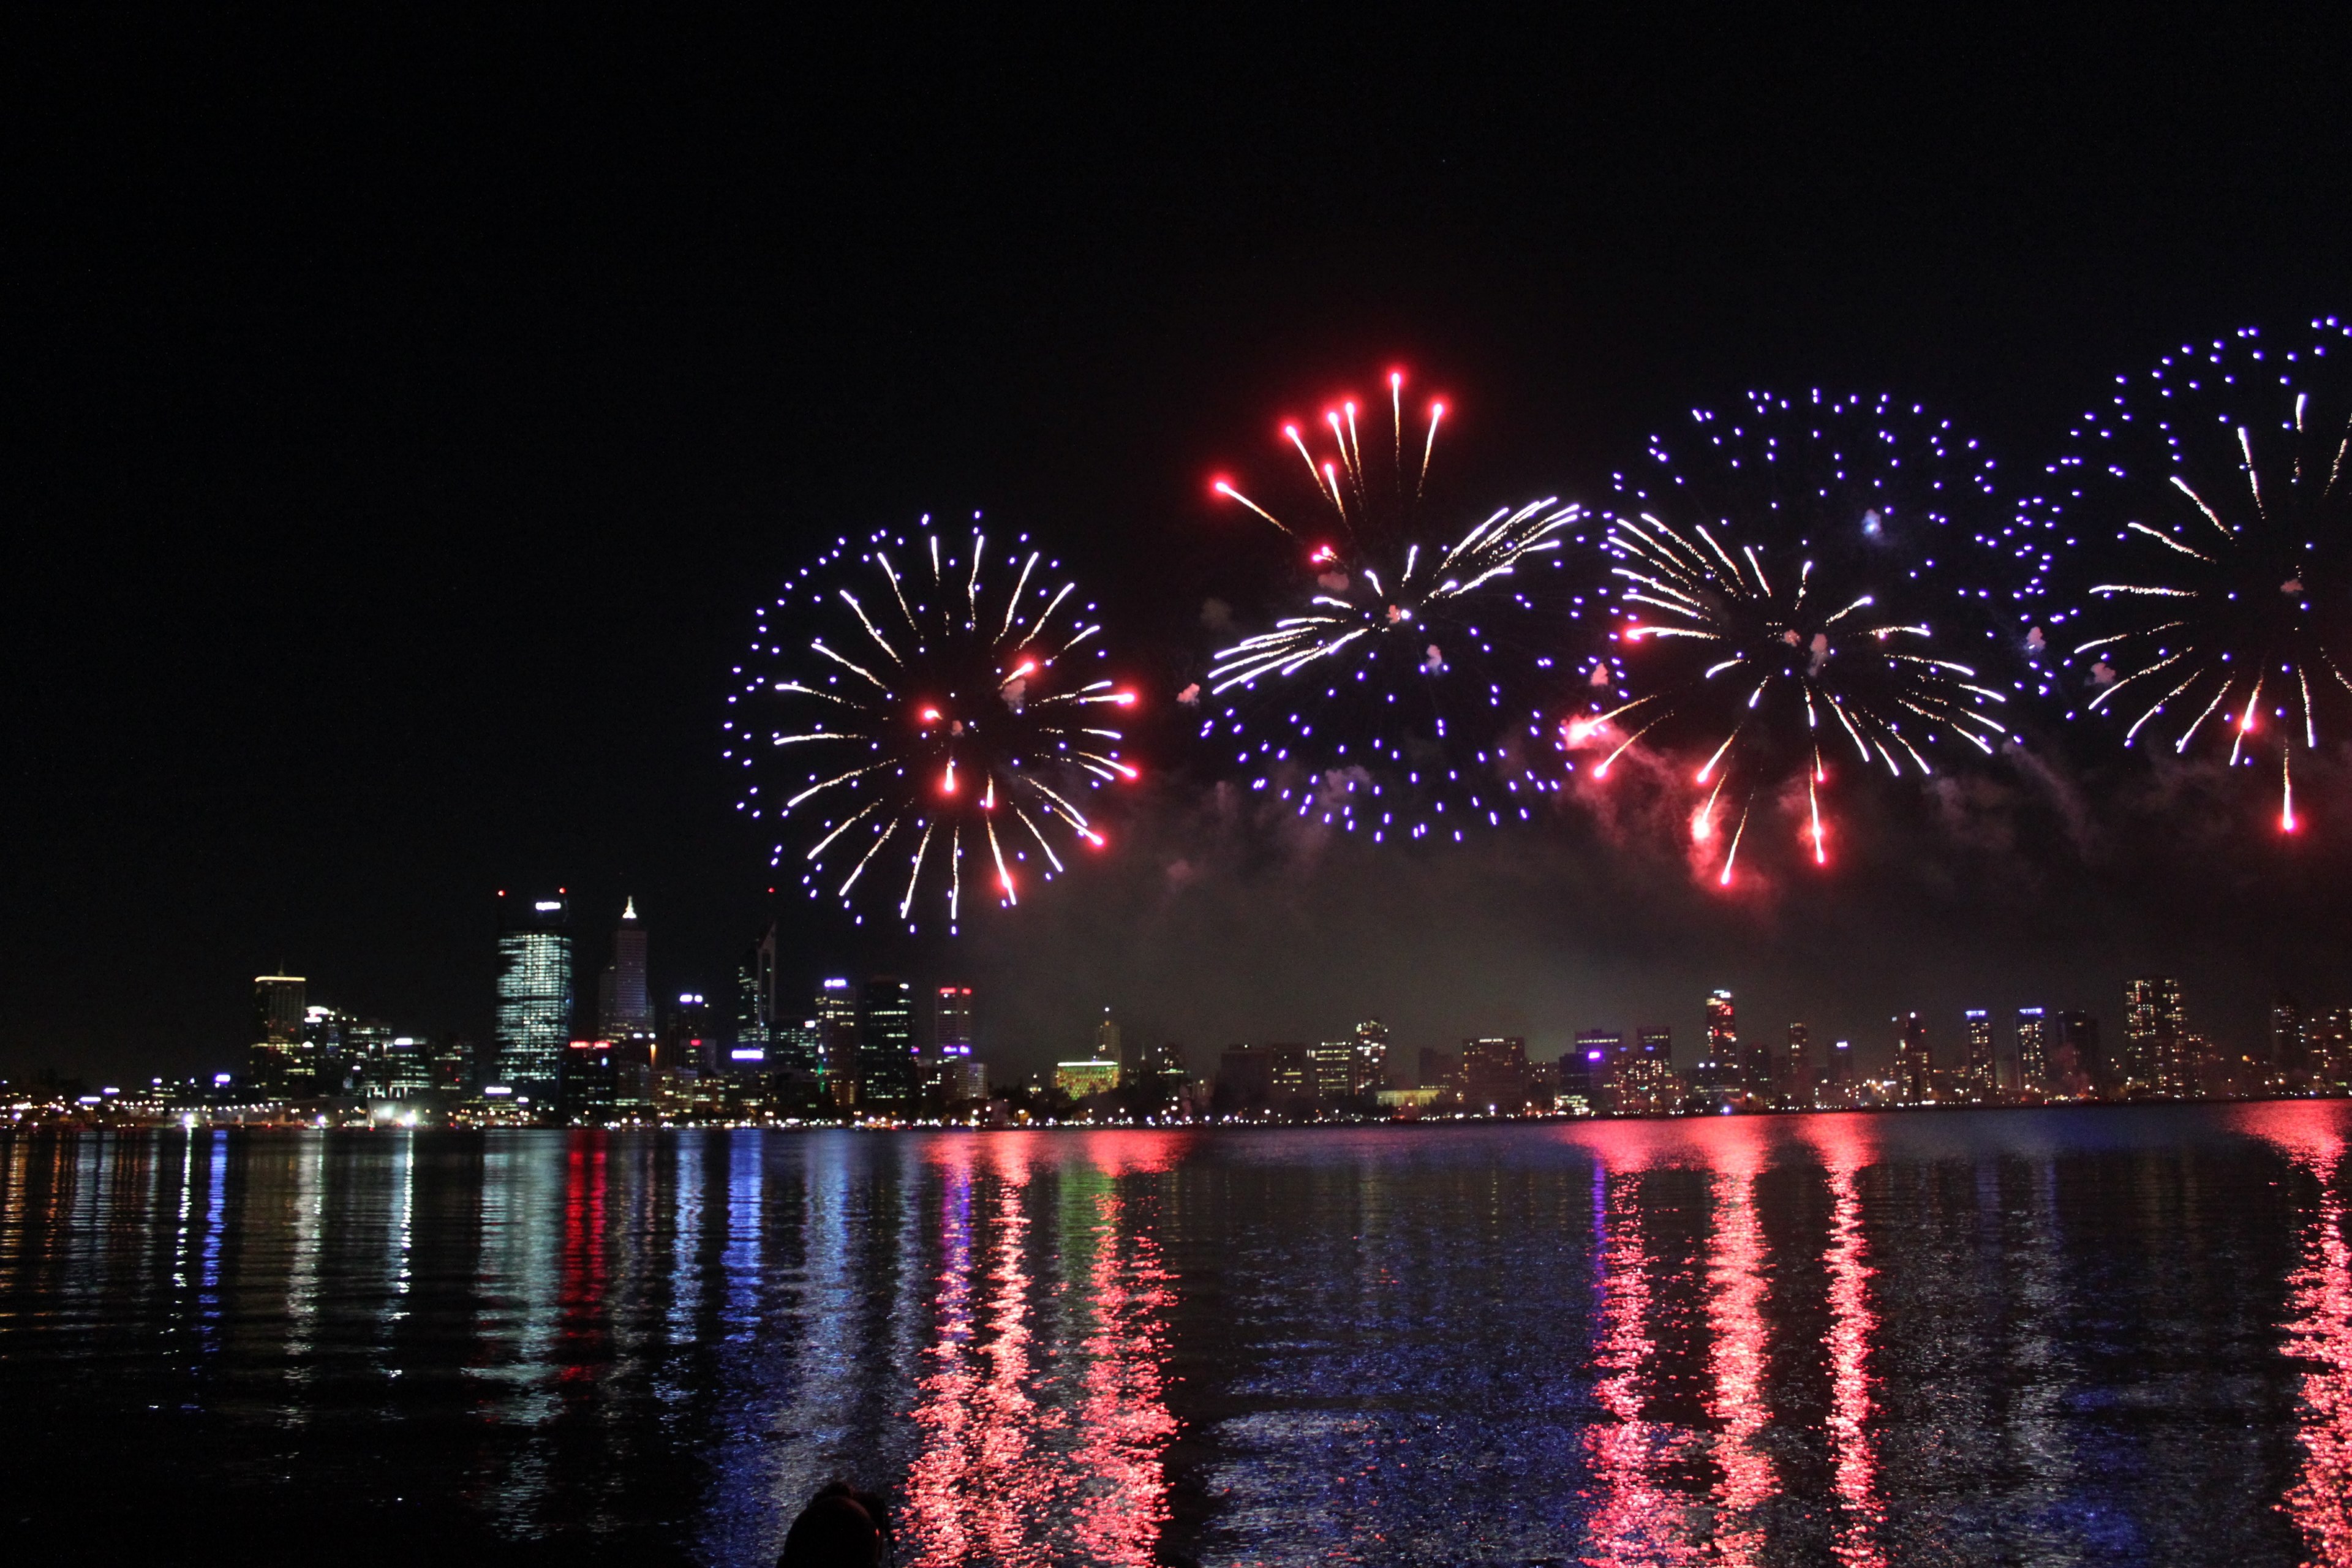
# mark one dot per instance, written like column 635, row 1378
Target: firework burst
column 1775, row 595
column 916, row 730
column 1406, row 692
column 2218, row 607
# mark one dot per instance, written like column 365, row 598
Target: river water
column 2040, row 1336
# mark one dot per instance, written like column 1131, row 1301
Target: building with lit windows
column 1914, row 1066
column 534, row 1007
column 886, row 1046
column 945, row 1076
column 1079, row 1079
column 2156, row 1038
column 1371, row 1066
column 2033, row 1046
column 278, row 1008
column 1977, row 1080
column 1495, row 1074
column 1798, row 1071
column 836, row 1028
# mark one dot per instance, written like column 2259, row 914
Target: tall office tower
column 1798, row 1072
column 1286, row 1072
column 1439, row 1069
column 2078, row 1067
column 836, row 1028
column 367, row 1057
column 1331, row 1068
column 1653, row 1067
column 630, row 1009
column 1107, row 1040
column 796, row 1056
column 278, row 1011
column 2033, row 1047
column 1603, row 1059
column 2289, row 1053
column 755, row 1003
column 1371, row 1073
column 1982, row 1085
column 2155, row 1048
column 885, row 1045
column 1495, row 1074
column 943, row 1069
column 691, row 1040
column 1722, row 1066
column 2329, row 1045
column 534, row 1020
column 1841, row 1072
column 1914, row 1068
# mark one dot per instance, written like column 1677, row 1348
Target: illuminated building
column 589, row 1081
column 629, row 1008
column 885, row 1045
column 1331, row 1068
column 1107, row 1040
column 1797, row 1071
column 836, row 1027
column 1646, row 1085
column 2156, row 1048
column 795, row 1053
column 1495, row 1074
column 943, row 1075
column 690, row 1041
column 2033, row 1045
column 535, row 1015
column 2330, row 1047
column 2290, row 1052
column 1604, row 1073
column 1371, row 1073
column 408, row 1068
column 1979, row 1079
column 1840, row 1072
column 1723, row 1068
column 1079, row 1079
column 1913, row 1064
column 755, row 1004
column 1286, row 1072
column 277, row 1010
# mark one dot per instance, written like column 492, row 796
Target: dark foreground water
column 2097, row 1336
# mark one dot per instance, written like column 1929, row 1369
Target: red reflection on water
column 1742, row 1340
column 972, row 1489
column 1124, row 1417
column 1846, row 1150
column 2320, row 1333
column 581, row 1292
column 1637, row 1518
column 1012, row 1470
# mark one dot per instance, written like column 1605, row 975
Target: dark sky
column 402, row 419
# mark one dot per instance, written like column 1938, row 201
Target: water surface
column 2091, row 1336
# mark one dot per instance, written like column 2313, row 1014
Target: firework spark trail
column 2212, row 574
column 963, row 709
column 1406, row 691
column 1774, row 598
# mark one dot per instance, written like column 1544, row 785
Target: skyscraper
column 1331, row 1068
column 1841, row 1072
column 755, row 1002
column 2156, row 1038
column 1722, row 1068
column 1913, row 1069
column 534, row 1019
column 2033, row 1046
column 885, row 1045
column 836, row 1027
column 944, row 1076
column 1602, row 1057
column 1797, row 1076
column 1107, row 1040
column 630, row 1008
column 2289, row 1052
column 1371, row 1068
column 1982, row 1087
column 1495, row 1074
column 277, row 1015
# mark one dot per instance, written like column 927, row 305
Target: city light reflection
column 2319, row 1334
column 1846, row 1150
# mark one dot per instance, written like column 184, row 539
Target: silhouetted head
column 841, row 1527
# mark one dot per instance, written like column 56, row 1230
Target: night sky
column 402, row 422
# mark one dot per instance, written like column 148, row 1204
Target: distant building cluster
column 881, row 1049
